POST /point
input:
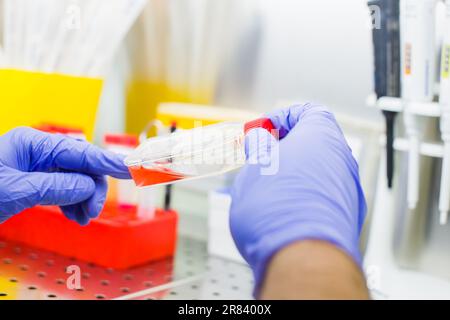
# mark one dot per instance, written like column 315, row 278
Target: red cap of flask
column 264, row 123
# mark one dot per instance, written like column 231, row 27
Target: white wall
column 316, row 50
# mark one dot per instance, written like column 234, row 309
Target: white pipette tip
column 443, row 218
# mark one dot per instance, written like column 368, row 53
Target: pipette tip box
column 118, row 239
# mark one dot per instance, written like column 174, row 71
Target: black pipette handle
column 390, row 121
column 168, row 193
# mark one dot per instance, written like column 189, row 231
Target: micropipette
column 386, row 40
column 418, row 65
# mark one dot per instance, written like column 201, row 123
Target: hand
column 38, row 168
column 315, row 192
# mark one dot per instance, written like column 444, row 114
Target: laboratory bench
column 29, row 273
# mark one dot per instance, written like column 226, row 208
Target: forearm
column 313, row 270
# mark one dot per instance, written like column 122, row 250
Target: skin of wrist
column 313, row 269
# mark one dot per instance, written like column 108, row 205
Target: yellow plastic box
column 32, row 98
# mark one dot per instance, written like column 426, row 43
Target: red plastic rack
column 117, row 239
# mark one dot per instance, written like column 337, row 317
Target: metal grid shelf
column 29, row 273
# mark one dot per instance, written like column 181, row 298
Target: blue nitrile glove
column 310, row 189
column 38, row 168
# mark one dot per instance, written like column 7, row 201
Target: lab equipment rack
column 385, row 278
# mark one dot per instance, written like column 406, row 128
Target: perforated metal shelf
column 29, row 273
column 222, row 279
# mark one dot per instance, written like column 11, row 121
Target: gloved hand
column 315, row 192
column 38, row 168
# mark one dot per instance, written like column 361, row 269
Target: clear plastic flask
column 190, row 154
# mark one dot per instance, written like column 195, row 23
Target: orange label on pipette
column 146, row 177
column 408, row 53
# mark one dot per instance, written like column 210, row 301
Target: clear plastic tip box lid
column 188, row 154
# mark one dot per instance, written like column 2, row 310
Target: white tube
column 444, row 99
column 418, row 64
column 127, row 13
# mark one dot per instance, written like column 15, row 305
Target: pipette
column 386, row 41
column 418, row 65
column 444, row 99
